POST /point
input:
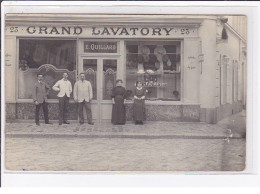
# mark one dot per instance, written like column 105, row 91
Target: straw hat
column 159, row 51
column 144, row 50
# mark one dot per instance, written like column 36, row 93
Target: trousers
column 88, row 111
column 63, row 108
column 44, row 106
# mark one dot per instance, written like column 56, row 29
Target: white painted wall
column 10, row 68
column 207, row 33
column 191, row 68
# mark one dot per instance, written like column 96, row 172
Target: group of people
column 83, row 94
column 119, row 99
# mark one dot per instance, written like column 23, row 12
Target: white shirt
column 82, row 91
column 63, row 87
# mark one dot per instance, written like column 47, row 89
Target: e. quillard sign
column 109, row 32
column 100, row 47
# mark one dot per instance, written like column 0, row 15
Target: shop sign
column 151, row 81
column 154, row 84
column 100, row 47
column 104, row 31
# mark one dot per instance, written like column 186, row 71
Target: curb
column 136, row 136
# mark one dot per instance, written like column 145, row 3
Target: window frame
column 162, row 41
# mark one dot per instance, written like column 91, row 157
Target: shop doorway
column 101, row 72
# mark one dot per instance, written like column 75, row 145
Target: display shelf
column 152, row 54
column 156, row 73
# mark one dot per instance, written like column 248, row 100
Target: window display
column 157, row 65
column 47, row 56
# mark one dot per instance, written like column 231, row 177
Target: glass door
column 90, row 68
column 101, row 72
column 108, row 80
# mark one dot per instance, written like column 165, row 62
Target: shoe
column 141, row 123
column 48, row 123
column 38, row 124
column 90, row 123
column 66, row 122
column 60, row 123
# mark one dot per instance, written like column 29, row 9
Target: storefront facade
column 178, row 59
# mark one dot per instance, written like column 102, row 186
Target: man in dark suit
column 40, row 92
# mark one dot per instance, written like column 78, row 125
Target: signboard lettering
column 8, row 58
column 100, row 47
column 103, row 32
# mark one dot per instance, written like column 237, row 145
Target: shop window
column 157, row 66
column 50, row 57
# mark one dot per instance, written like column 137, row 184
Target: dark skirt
column 118, row 111
column 139, row 110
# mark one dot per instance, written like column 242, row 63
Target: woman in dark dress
column 139, row 103
column 118, row 99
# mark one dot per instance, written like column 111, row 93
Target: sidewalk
column 230, row 127
column 236, row 123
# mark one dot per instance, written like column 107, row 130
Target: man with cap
column 64, row 88
column 40, row 92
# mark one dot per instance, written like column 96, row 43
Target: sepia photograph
column 125, row 92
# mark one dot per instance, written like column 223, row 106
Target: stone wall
column 177, row 113
column 24, row 111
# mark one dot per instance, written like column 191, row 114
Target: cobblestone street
column 155, row 146
column 124, row 154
